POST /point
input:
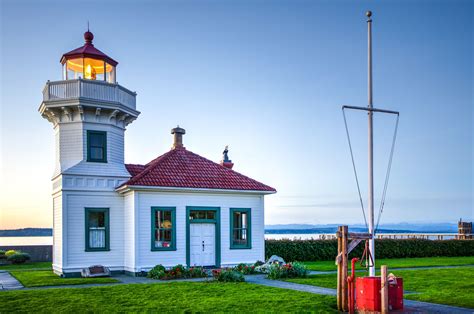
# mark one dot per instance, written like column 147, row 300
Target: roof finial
column 87, row 25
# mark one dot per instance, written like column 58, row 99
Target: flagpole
column 370, row 146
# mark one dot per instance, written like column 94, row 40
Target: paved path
column 8, row 282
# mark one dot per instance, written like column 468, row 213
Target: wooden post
column 384, row 290
column 344, row 299
column 339, row 268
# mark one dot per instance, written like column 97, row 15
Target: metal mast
column 371, row 146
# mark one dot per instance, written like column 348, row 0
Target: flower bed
column 289, row 270
column 176, row 272
column 227, row 275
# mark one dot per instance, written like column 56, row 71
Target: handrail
column 95, row 90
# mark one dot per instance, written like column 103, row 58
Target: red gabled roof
column 184, row 169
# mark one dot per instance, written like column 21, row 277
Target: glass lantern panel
column 74, row 68
column 94, row 69
column 109, row 73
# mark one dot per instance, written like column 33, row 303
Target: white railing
column 94, row 90
column 332, row 236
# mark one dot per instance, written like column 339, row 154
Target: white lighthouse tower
column 89, row 111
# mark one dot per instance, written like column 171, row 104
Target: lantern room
column 88, row 62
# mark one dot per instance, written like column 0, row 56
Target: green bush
column 157, row 272
column 245, row 269
column 2, row 255
column 290, row 270
column 196, row 272
column 176, row 272
column 227, row 275
column 324, row 250
column 258, row 263
column 18, row 258
column 10, row 252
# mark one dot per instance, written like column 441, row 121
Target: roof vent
column 178, row 137
column 226, row 162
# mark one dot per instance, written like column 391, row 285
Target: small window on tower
column 96, row 146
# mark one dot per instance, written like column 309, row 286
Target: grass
column 26, row 266
column 454, row 286
column 40, row 278
column 401, row 262
column 167, row 297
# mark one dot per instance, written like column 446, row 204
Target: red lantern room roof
column 88, row 51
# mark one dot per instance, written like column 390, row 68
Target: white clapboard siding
column 77, row 257
column 129, row 232
column 72, row 148
column 147, row 258
column 57, row 231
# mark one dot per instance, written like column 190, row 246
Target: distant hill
column 385, row 228
column 27, row 232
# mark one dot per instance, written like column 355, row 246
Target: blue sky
column 267, row 78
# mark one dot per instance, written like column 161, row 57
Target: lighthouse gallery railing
column 88, row 89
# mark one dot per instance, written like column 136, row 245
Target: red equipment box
column 368, row 296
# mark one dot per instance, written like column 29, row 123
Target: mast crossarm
column 371, row 109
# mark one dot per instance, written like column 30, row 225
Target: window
column 97, row 229
column 163, row 229
column 240, row 228
column 202, row 214
column 96, row 146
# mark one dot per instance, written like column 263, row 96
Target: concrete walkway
column 8, row 282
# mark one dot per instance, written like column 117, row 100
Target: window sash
column 163, row 237
column 97, row 229
column 240, row 227
column 96, row 146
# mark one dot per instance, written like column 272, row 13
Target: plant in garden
column 227, row 275
column 197, row 272
column 2, row 254
column 10, row 252
column 258, row 263
column 290, row 270
column 157, row 272
column 245, row 269
column 18, row 258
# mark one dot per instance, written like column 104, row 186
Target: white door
column 203, row 244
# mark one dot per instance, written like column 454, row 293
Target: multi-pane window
column 240, row 233
column 97, row 229
column 163, row 231
column 202, row 214
column 96, row 146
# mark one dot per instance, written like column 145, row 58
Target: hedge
column 321, row 250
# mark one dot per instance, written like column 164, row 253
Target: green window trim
column 91, row 133
column 172, row 247
column 216, row 221
column 248, row 229
column 88, row 211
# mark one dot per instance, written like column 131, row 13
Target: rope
column 354, row 167
column 387, row 175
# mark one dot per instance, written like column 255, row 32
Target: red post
column 351, row 286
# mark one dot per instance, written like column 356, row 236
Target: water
column 7, row 241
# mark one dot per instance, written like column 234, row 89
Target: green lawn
column 39, row 278
column 401, row 262
column 453, row 286
column 26, row 266
column 167, row 297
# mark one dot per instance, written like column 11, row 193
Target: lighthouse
column 89, row 112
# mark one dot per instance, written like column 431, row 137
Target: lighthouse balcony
column 99, row 92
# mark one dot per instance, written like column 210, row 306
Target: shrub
column 227, row 275
column 10, row 252
column 157, row 272
column 197, row 272
column 18, row 258
column 290, row 270
column 245, row 269
column 324, row 250
column 176, row 272
column 258, row 263
column 2, row 254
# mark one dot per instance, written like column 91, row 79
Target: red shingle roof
column 182, row 168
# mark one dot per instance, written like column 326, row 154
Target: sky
column 267, row 78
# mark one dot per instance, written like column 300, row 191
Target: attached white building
column 180, row 208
